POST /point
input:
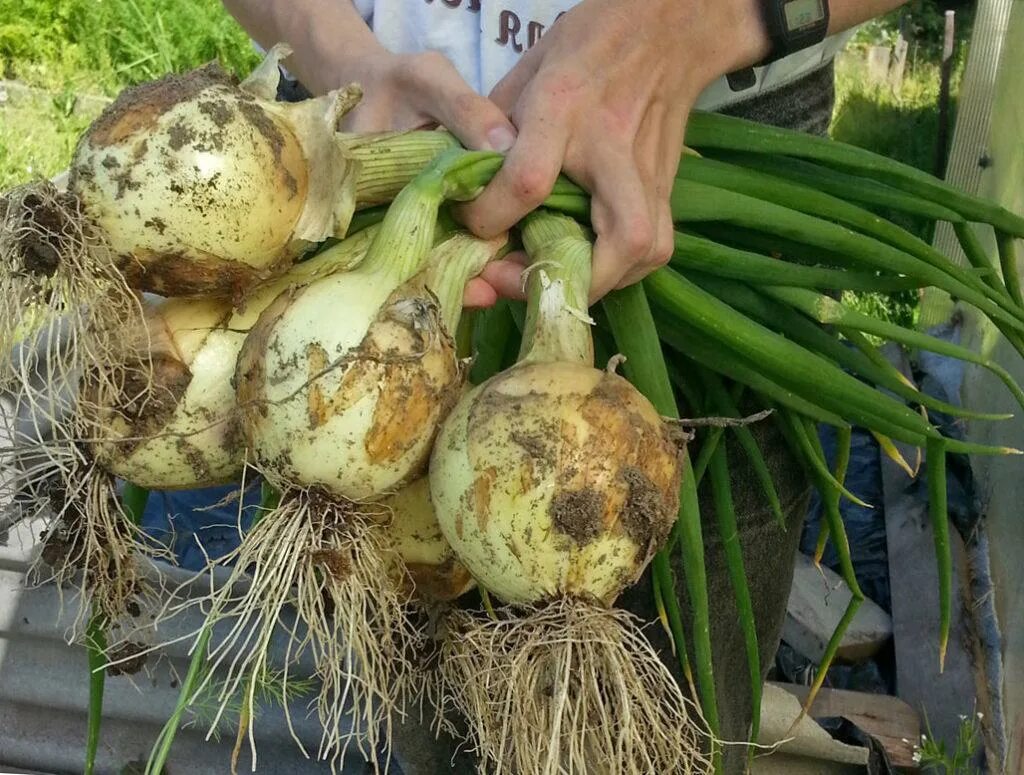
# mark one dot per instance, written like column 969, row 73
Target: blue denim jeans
column 196, row 525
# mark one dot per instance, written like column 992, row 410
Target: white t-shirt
column 485, row 39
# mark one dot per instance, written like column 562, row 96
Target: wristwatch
column 792, row 25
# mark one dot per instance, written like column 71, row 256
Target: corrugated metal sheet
column 44, row 694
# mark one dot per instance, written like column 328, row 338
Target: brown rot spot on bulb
column 578, row 514
column 645, row 516
column 138, row 109
column 446, row 581
column 176, row 274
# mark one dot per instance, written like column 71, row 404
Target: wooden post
column 899, row 64
column 942, row 139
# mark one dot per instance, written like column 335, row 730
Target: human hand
column 604, row 96
column 419, row 90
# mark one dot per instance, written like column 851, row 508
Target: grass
column 37, row 137
column 108, row 44
column 65, row 48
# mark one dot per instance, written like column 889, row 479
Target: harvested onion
column 202, row 186
column 555, row 483
column 342, row 383
column 428, row 561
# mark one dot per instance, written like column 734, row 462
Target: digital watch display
column 792, row 25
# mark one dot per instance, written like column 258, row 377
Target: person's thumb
column 478, row 123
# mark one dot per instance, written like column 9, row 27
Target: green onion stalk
column 555, row 482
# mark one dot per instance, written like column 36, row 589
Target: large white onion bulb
column 555, row 479
column 203, row 186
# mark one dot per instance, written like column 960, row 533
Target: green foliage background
column 107, row 44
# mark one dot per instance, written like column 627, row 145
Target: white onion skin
column 187, row 434
column 195, row 185
column 430, row 562
column 555, row 479
column 342, row 385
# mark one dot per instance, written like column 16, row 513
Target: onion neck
column 452, row 264
column 389, row 160
column 557, row 326
column 402, row 245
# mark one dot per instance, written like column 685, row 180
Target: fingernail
column 500, row 138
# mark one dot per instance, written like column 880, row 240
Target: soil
column 337, row 562
column 180, row 274
column 265, row 126
column 644, row 516
column 138, row 108
column 578, row 514
column 130, row 652
column 48, row 221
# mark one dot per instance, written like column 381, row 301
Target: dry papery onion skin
column 203, row 185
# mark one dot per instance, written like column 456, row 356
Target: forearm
column 746, row 40
column 329, row 38
column 849, row 13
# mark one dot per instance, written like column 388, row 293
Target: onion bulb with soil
column 555, row 483
column 324, row 548
column 429, row 567
column 342, row 383
column 182, row 431
column 203, row 185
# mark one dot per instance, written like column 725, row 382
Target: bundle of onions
column 171, row 424
column 555, row 483
column 341, row 385
column 192, row 184
column 182, row 430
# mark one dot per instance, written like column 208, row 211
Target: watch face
column 803, row 13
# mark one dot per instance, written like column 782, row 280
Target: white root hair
column 568, row 687
column 65, row 306
column 89, row 543
column 321, row 573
